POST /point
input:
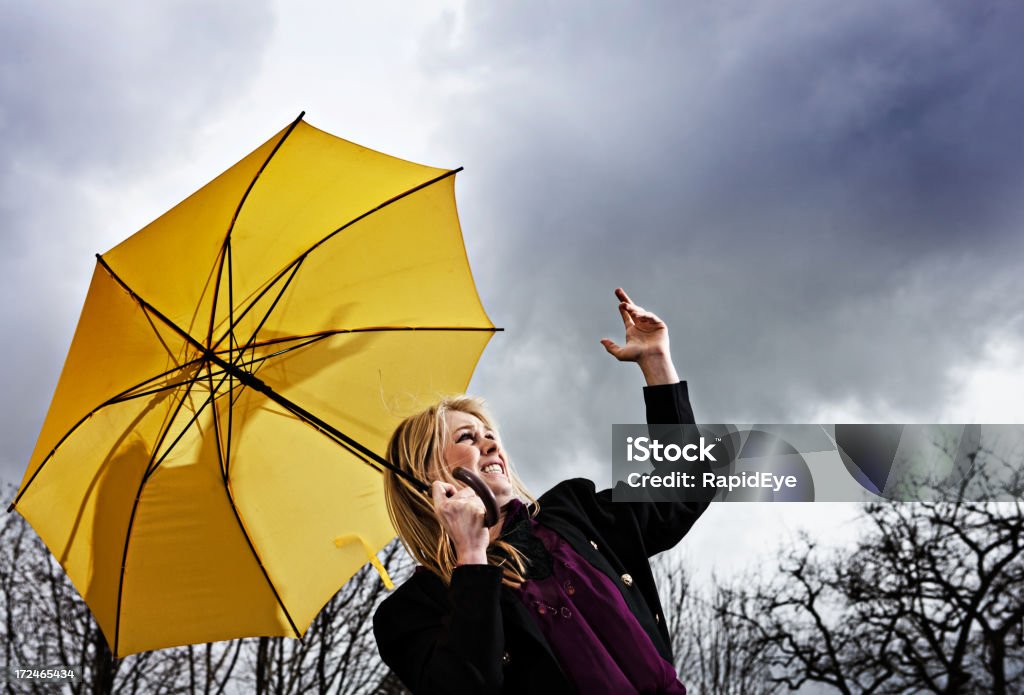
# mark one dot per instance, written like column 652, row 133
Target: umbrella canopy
column 188, row 476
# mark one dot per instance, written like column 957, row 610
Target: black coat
column 475, row 636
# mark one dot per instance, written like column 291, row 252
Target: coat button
column 627, row 580
column 505, row 658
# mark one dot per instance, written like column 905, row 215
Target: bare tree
column 715, row 652
column 338, row 652
column 45, row 624
column 929, row 600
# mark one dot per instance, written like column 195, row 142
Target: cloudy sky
column 823, row 200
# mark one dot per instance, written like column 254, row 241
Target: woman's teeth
column 491, row 468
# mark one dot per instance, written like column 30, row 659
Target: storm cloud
column 90, row 94
column 822, row 200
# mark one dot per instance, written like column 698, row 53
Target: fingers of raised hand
column 628, row 353
column 635, row 313
column 624, row 304
column 641, row 318
column 615, row 350
column 645, row 320
column 611, row 347
column 627, row 319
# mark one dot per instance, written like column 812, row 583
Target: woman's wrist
column 471, row 557
column 658, row 369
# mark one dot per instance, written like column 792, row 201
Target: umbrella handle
column 475, row 482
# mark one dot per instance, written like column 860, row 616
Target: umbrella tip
column 10, row 508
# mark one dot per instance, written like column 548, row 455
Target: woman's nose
column 489, row 447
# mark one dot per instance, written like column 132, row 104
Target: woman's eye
column 464, row 436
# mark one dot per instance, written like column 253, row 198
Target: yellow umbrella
column 188, row 476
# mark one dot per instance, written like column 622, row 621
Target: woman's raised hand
column 461, row 513
column 646, row 342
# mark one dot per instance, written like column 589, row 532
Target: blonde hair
column 416, row 447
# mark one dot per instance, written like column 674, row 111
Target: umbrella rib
column 156, row 312
column 317, row 337
column 150, row 467
column 251, row 344
column 179, row 368
column 160, row 338
column 154, row 463
column 382, row 329
column 294, row 267
column 367, row 455
column 151, row 392
column 225, row 479
column 231, row 301
column 121, row 397
column 225, row 248
column 221, row 459
column 254, row 383
column 320, row 335
column 192, row 420
column 301, row 257
column 255, row 363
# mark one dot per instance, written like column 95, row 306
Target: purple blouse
column 579, row 610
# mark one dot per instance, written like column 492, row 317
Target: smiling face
column 471, row 444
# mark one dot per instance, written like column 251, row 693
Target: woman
column 558, row 596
